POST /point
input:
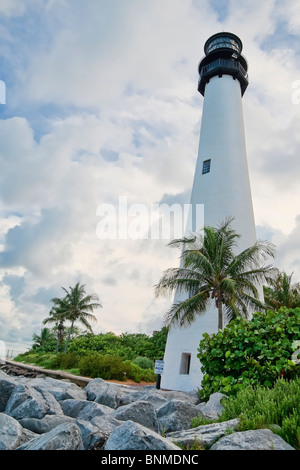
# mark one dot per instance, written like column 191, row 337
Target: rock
column 61, row 390
column 142, row 412
column 90, row 434
column 213, row 408
column 66, row 436
column 176, row 415
column 151, row 395
column 205, row 435
column 260, row 439
column 83, row 409
column 188, row 397
column 45, row 424
column 27, row 402
column 134, row 436
column 10, row 432
column 106, row 424
column 106, row 393
column 7, row 384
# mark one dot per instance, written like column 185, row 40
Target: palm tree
column 45, row 337
column 210, row 269
column 281, row 292
column 58, row 317
column 77, row 306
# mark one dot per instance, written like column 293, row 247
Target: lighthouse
column 221, row 184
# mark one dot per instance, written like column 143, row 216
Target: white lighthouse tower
column 221, row 184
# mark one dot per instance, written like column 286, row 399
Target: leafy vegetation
column 258, row 407
column 254, row 352
column 128, row 356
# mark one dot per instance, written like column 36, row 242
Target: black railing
column 229, row 64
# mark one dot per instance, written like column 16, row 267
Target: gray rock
column 27, row 402
column 7, row 384
column 90, row 434
column 260, row 439
column 106, row 393
column 106, row 423
column 66, row 436
column 205, row 435
column 151, row 395
column 213, row 408
column 142, row 412
column 45, row 424
column 176, row 415
column 10, row 432
column 83, row 409
column 60, row 389
column 134, row 436
column 188, row 397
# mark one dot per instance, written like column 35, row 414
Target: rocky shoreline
column 43, row 413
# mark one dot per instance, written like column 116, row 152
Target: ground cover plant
column 259, row 407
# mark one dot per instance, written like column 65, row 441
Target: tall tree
column 210, row 269
column 57, row 316
column 77, row 306
column 281, row 292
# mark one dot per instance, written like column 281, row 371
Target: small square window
column 206, row 167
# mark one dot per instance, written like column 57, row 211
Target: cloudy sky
column 102, row 106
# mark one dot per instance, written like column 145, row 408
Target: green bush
column 254, row 352
column 105, row 367
column 144, row 362
column 68, row 360
column 258, row 407
column 138, row 374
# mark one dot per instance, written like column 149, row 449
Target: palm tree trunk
column 68, row 339
column 220, row 314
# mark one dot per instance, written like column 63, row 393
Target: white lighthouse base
column 182, row 367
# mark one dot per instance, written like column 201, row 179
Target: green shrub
column 254, row 352
column 143, row 362
column 68, row 360
column 105, row 367
column 136, row 373
column 258, row 407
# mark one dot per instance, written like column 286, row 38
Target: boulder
column 204, row 435
column 7, row 384
column 213, row 408
column 10, row 432
column 150, row 395
column 90, row 434
column 66, row 436
column 83, row 409
column 260, row 439
column 45, row 424
column 142, row 412
column 106, row 393
column 134, row 436
column 60, row 389
column 176, row 415
column 106, row 424
column 27, row 402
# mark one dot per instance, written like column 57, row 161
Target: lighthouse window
column 206, row 167
column 185, row 363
